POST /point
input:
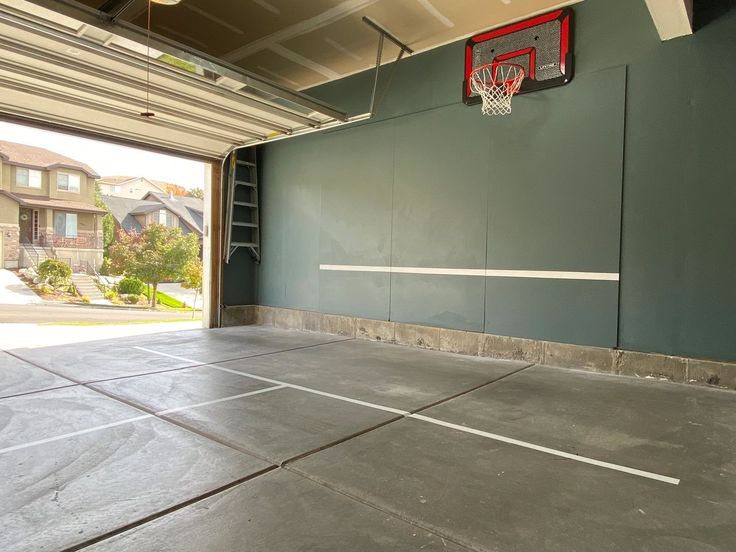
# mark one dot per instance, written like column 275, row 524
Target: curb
column 118, row 307
column 115, row 307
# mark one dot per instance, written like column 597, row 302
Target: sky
column 111, row 159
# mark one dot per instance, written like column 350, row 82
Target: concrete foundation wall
column 77, row 257
column 596, row 359
column 627, row 170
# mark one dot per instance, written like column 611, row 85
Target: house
column 133, row 187
column 133, row 215
column 47, row 209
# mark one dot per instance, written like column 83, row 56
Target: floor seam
column 153, row 414
column 164, row 418
column 405, row 416
column 197, row 365
column 26, row 393
column 340, row 441
column 468, row 391
column 167, row 511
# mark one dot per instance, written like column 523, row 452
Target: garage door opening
column 100, row 240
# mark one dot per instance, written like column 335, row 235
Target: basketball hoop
column 496, row 83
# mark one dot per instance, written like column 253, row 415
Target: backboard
column 542, row 45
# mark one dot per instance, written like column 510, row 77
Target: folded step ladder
column 242, row 216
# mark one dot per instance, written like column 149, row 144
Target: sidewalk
column 14, row 292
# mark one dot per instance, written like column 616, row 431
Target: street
column 63, row 313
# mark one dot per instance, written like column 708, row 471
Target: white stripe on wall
column 490, row 273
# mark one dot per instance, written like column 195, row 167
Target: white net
column 496, row 84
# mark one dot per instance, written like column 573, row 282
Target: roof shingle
column 57, row 204
column 40, row 158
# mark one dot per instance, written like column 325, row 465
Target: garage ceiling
column 222, row 74
column 302, row 43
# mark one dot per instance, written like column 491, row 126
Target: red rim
column 521, row 73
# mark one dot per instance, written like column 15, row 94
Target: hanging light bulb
column 166, row 2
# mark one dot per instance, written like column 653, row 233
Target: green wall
column 630, row 168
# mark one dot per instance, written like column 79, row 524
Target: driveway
column 14, row 292
column 181, row 294
column 32, row 336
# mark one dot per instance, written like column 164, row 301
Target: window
column 65, row 225
column 165, row 218
column 67, row 182
column 28, row 178
column 115, row 189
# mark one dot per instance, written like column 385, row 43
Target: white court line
column 508, row 440
column 224, row 399
column 437, row 271
column 136, row 419
column 577, row 458
column 285, row 384
column 488, row 273
column 188, row 360
column 74, row 434
column 310, row 390
column 554, row 275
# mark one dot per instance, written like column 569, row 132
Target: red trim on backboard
column 468, row 67
column 514, row 27
column 565, row 45
column 531, row 52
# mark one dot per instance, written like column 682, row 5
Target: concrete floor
column 268, row 440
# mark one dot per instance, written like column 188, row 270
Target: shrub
column 112, row 296
column 84, row 299
column 131, row 286
column 132, row 298
column 56, row 273
column 105, row 268
column 45, row 289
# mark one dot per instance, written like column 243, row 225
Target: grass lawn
column 167, row 301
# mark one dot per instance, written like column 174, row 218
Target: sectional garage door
column 70, row 73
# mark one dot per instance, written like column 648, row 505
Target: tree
column 196, row 192
column 108, row 223
column 193, row 279
column 155, row 255
column 175, row 189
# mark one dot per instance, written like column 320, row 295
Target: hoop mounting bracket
column 383, row 35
